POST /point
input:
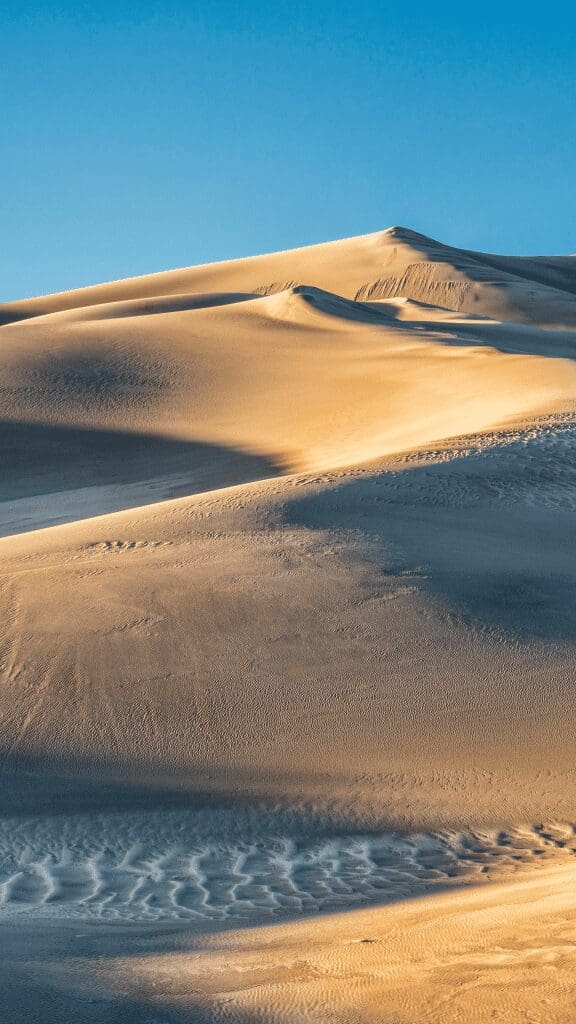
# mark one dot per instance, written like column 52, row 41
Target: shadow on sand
column 58, row 466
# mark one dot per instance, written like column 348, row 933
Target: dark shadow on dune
column 547, row 271
column 508, row 338
column 42, row 783
column 45, row 784
column 81, row 973
column 31, row 994
column 39, row 461
column 488, row 535
column 155, row 305
column 70, row 969
column 13, row 313
column 91, row 973
column 482, row 332
column 61, row 819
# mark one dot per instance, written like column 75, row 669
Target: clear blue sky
column 137, row 137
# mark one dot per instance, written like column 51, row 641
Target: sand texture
column 287, row 641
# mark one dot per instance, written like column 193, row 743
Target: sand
column 288, row 587
column 451, row 958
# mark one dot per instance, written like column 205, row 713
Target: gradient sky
column 142, row 136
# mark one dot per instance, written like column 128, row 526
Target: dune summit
column 288, row 589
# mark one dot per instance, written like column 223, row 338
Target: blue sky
column 142, row 136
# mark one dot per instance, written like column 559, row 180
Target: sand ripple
column 162, row 867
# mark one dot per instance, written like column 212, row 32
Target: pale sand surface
column 288, row 588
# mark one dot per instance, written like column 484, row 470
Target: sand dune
column 288, row 588
column 203, row 867
column 226, row 389
column 386, row 264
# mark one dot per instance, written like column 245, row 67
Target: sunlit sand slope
column 398, row 638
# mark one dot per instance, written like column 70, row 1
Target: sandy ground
column 445, row 959
column 502, row 952
column 288, row 588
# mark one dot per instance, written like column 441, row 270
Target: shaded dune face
column 54, row 474
column 492, row 527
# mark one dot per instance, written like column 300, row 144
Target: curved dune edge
column 384, row 264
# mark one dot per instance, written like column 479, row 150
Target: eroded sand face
column 288, row 589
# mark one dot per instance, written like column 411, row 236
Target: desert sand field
column 288, row 642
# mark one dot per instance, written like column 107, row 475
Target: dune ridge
column 532, row 289
column 302, row 379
